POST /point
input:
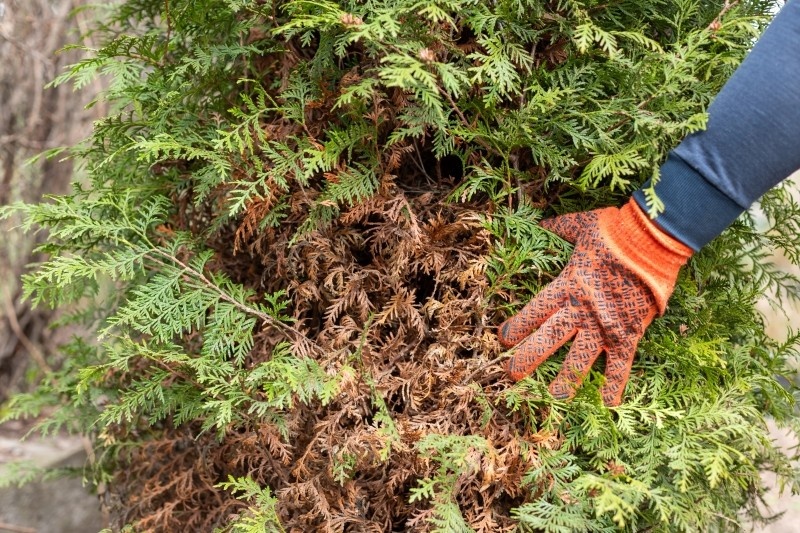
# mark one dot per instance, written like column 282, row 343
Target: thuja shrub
column 301, row 222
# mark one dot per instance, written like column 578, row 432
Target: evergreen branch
column 209, row 285
column 727, row 6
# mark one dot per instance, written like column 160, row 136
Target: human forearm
column 752, row 141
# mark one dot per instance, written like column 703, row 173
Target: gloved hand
column 620, row 276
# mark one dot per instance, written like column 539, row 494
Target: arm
column 624, row 265
column 752, row 141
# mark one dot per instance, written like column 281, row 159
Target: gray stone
column 53, row 506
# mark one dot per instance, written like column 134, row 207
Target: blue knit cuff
column 694, row 210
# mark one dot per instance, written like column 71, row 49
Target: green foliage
column 252, row 145
column 261, row 516
column 19, row 473
column 456, row 456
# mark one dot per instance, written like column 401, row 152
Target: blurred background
column 32, row 120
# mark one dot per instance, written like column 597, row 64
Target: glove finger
column 618, row 369
column 533, row 315
column 579, row 361
column 555, row 331
column 570, row 226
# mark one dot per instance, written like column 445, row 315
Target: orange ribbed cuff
column 645, row 249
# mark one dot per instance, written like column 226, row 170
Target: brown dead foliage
column 410, row 265
column 398, row 279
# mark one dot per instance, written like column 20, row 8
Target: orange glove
column 621, row 273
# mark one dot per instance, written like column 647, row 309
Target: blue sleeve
column 752, row 141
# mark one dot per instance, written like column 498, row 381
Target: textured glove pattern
column 620, row 275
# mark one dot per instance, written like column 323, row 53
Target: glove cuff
column 644, row 248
